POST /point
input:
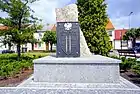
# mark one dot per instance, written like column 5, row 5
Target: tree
column 49, row 37
column 6, row 40
column 33, row 41
column 21, row 24
column 132, row 34
column 93, row 20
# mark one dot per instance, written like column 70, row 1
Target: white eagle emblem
column 67, row 26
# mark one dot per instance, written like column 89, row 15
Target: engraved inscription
column 68, row 39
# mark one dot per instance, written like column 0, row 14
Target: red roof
column 109, row 25
column 3, row 27
column 119, row 34
column 53, row 28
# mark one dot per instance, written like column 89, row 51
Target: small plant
column 9, row 66
column 127, row 63
column 136, row 69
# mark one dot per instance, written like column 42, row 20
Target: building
column 40, row 46
column 115, row 38
column 119, row 43
column 110, row 29
column 2, row 46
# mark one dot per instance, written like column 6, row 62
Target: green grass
column 10, row 65
column 129, row 64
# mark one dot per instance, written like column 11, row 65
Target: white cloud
column 118, row 11
column 120, row 23
column 123, row 22
column 45, row 9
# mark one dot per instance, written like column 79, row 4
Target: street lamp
column 129, row 18
column 129, row 22
column 121, row 39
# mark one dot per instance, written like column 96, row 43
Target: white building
column 115, row 39
column 41, row 46
column 119, row 43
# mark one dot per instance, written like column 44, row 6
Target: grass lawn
column 11, row 68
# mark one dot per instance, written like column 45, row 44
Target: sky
column 118, row 11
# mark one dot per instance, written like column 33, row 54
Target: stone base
column 31, row 87
column 94, row 69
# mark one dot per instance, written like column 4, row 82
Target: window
column 39, row 44
column 124, row 43
column 35, row 45
column 40, row 35
column 110, row 33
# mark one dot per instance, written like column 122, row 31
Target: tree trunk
column 133, row 42
column 32, row 46
column 18, row 50
column 51, row 46
column 9, row 46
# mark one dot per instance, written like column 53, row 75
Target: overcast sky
column 118, row 11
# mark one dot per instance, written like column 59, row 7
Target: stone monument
column 68, row 39
column 69, row 14
column 74, row 70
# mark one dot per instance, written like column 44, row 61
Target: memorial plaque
column 68, row 39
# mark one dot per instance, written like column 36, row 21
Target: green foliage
column 115, row 57
column 127, row 63
column 133, row 33
column 136, row 69
column 21, row 24
column 49, row 37
column 9, row 66
column 93, row 20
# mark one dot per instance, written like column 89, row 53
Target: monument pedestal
column 94, row 69
column 93, row 75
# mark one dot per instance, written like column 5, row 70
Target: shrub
column 9, row 66
column 127, row 63
column 136, row 68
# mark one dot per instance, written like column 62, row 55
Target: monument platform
column 93, row 75
column 94, row 69
column 31, row 87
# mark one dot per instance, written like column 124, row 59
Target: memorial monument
column 74, row 70
column 68, row 39
column 69, row 14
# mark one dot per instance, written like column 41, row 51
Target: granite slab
column 92, row 59
column 94, row 69
column 31, row 87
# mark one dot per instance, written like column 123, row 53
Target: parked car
column 1, row 51
column 7, row 51
column 137, row 49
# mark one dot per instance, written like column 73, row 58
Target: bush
column 9, row 66
column 115, row 57
column 136, row 68
column 127, row 63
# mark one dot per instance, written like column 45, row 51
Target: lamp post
column 129, row 22
column 129, row 18
column 121, row 39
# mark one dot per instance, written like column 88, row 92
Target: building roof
column 3, row 27
column 109, row 25
column 53, row 28
column 120, row 33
